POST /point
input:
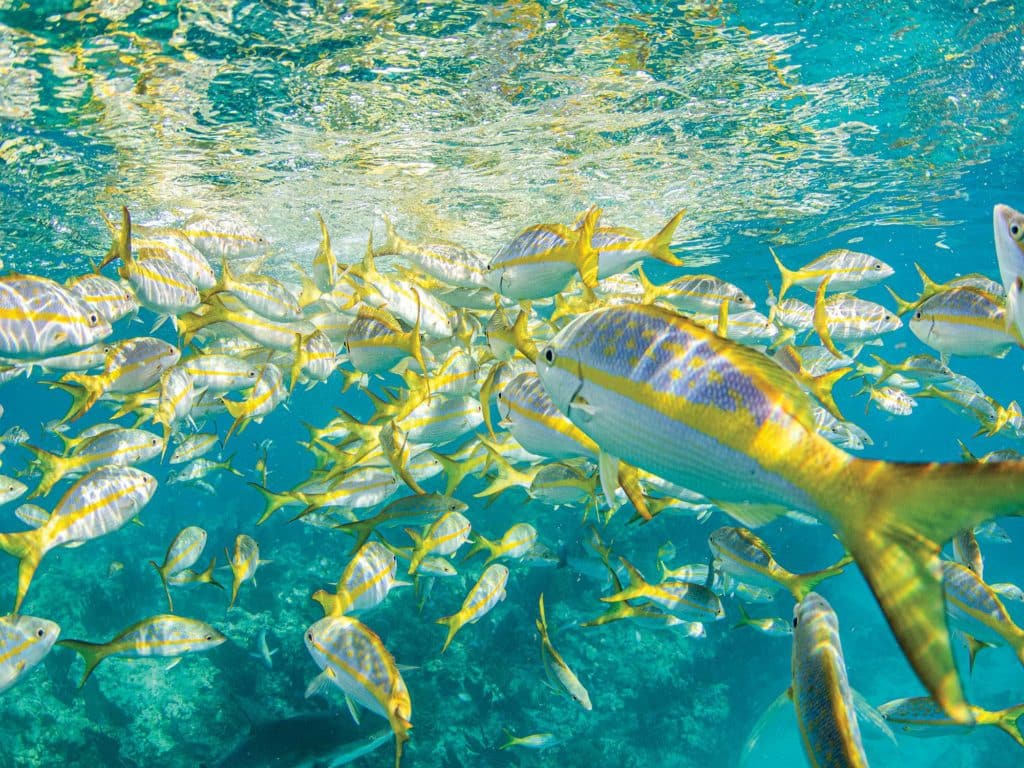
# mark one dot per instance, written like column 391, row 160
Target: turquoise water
column 890, row 128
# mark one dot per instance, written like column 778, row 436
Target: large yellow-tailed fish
column 184, row 551
column 655, row 390
column 354, row 659
column 921, row 716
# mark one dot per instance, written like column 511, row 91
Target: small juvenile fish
column 921, row 716
column 193, row 446
column 243, row 564
column 746, row 557
column 263, row 652
column 24, row 642
column 163, row 635
column 773, row 627
column 690, row 602
column 442, row 537
column 533, row 741
column 516, row 542
column 488, row 591
column 559, row 674
column 185, row 549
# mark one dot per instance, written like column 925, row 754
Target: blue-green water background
column 891, row 127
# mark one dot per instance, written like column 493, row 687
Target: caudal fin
column 1008, row 722
column 805, row 583
column 272, row 501
column 454, row 624
column 659, row 246
column 27, row 546
column 586, row 255
column 53, row 467
column 893, row 519
column 92, row 653
column 788, row 276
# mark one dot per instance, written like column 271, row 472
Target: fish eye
column 549, row 355
column 40, row 632
column 251, row 374
column 93, row 319
column 209, row 637
column 1015, row 230
column 917, row 315
column 878, row 265
column 309, row 636
column 795, row 621
column 888, row 317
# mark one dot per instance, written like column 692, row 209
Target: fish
column 695, row 293
column 450, row 263
column 516, row 542
column 117, row 447
column 243, row 564
column 161, row 635
column 488, row 591
column 158, row 283
column 527, row 412
column 218, row 374
column 655, row 390
column 261, row 293
column 24, row 642
column 773, row 626
column 377, row 343
column 845, row 270
column 130, row 366
column 40, row 318
column 562, row 678
column 429, row 507
column 533, row 741
column 1008, row 228
column 10, row 489
column 442, row 537
column 111, row 299
column 354, row 659
column 266, row 394
column 99, row 503
column 820, row 689
column 366, row 581
column 541, row 260
column 966, row 322
column 193, row 446
column 287, row 742
column 690, row 602
column 745, row 557
column 184, row 550
column 263, row 652
column 922, row 716
column 975, row 609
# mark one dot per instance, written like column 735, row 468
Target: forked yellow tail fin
column 893, row 519
column 659, row 245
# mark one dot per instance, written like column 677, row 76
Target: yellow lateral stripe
column 24, row 645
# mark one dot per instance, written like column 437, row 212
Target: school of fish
column 555, row 366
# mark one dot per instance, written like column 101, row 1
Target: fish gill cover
column 440, row 132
